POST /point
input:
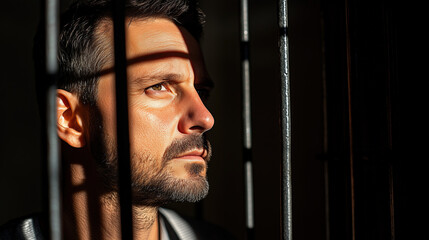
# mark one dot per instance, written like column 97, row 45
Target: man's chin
column 187, row 168
column 171, row 189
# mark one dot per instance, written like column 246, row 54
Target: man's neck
column 90, row 213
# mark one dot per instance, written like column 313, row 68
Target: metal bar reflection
column 286, row 123
column 53, row 147
column 123, row 140
column 247, row 126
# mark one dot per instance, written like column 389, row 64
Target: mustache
column 185, row 144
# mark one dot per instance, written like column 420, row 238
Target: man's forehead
column 156, row 35
column 154, row 40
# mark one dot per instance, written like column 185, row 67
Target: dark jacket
column 172, row 227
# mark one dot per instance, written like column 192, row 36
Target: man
column 167, row 86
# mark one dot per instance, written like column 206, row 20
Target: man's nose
column 196, row 118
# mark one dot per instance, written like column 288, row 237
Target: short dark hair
column 82, row 50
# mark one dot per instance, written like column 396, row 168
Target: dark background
column 388, row 76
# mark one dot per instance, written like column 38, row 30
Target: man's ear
column 70, row 119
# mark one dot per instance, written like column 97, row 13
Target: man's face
column 166, row 76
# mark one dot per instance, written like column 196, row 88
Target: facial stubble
column 153, row 181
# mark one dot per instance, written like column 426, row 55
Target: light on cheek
column 149, row 132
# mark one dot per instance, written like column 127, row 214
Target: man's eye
column 158, row 87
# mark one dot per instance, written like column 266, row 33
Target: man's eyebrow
column 203, row 82
column 156, row 77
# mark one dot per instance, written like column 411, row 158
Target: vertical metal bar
column 53, row 147
column 123, row 140
column 247, row 126
column 286, row 123
column 349, row 102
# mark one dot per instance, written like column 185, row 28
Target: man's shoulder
column 177, row 227
column 24, row 228
column 187, row 228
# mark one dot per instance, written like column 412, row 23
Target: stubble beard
column 159, row 186
column 152, row 179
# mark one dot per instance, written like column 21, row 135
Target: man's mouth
column 193, row 148
column 196, row 154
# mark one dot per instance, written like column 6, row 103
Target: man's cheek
column 159, row 122
column 148, row 133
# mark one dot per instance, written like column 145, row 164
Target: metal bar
column 286, row 123
column 123, row 140
column 350, row 125
column 247, row 126
column 53, row 147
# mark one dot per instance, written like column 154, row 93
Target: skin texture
column 166, row 76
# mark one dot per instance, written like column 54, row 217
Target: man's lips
column 195, row 154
